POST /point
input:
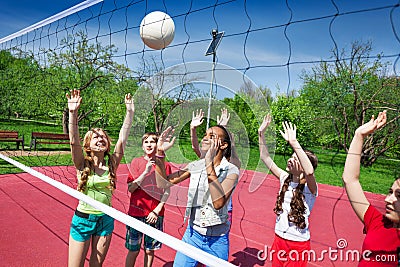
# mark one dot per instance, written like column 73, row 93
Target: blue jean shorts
column 83, row 226
column 134, row 237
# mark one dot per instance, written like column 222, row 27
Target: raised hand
column 166, row 139
column 74, row 100
column 372, row 125
column 224, row 119
column 197, row 119
column 130, row 106
column 289, row 133
column 264, row 125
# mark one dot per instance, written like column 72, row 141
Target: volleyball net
column 327, row 68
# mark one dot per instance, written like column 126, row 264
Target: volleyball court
column 35, row 216
column 35, row 220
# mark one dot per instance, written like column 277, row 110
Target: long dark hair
column 227, row 138
column 297, row 207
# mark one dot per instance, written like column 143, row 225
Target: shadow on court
column 247, row 258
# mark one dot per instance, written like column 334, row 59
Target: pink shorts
column 289, row 253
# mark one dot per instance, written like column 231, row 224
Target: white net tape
column 174, row 243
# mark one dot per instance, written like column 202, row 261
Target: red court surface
column 35, row 219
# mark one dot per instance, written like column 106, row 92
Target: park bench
column 48, row 138
column 12, row 136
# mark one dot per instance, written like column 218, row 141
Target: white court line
column 170, row 241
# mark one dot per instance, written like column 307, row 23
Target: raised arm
column 289, row 135
column 74, row 102
column 351, row 172
column 224, row 119
column 235, row 160
column 162, row 179
column 264, row 153
column 125, row 129
column 197, row 120
column 220, row 192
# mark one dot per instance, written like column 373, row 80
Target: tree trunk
column 65, row 120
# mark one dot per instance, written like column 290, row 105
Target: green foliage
column 17, row 89
column 346, row 93
column 295, row 110
column 250, row 113
column 30, row 89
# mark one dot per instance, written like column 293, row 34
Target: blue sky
column 261, row 53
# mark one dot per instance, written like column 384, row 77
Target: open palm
column 264, row 125
column 289, row 133
column 74, row 100
column 130, row 106
column 197, row 118
column 373, row 124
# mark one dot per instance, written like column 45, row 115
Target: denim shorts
column 134, row 237
column 214, row 245
column 83, row 226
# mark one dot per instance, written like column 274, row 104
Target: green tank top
column 98, row 188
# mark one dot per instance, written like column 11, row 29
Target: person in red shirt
column 147, row 200
column 382, row 238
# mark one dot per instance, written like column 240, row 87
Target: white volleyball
column 157, row 30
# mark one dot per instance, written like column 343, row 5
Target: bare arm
column 197, row 120
column 351, row 172
column 163, row 200
column 264, row 153
column 74, row 102
column 220, row 192
column 165, row 181
column 223, row 121
column 235, row 160
column 153, row 215
column 125, row 129
column 132, row 186
column 162, row 179
column 289, row 135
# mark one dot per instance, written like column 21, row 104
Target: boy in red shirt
column 146, row 202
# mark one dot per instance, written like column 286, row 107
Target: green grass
column 376, row 179
column 25, row 129
column 35, row 161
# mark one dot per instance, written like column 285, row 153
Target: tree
column 90, row 67
column 19, row 71
column 344, row 94
column 164, row 100
column 293, row 109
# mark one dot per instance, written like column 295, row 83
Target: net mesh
column 99, row 51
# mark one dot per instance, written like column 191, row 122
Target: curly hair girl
column 89, row 164
column 297, row 207
column 96, row 170
column 298, row 191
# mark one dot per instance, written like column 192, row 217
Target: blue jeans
column 214, row 245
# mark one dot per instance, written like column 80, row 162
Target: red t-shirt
column 380, row 240
column 146, row 197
